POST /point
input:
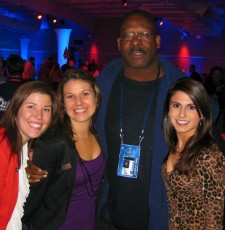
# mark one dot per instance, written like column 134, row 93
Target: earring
column 200, row 122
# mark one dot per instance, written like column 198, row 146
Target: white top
column 15, row 221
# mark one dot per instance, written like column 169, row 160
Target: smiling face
column 79, row 100
column 34, row 116
column 138, row 53
column 183, row 114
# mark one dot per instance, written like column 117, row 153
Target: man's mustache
column 136, row 49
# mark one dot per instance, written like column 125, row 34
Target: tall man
column 134, row 89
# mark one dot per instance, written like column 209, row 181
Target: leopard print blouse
column 197, row 202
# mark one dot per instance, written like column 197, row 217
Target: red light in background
column 94, row 54
column 184, row 61
column 223, row 136
column 184, row 52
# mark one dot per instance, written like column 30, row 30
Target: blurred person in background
column 55, row 76
column 194, row 75
column 15, row 68
column 29, row 70
column 69, row 65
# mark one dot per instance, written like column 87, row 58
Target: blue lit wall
column 203, row 52
column 42, row 44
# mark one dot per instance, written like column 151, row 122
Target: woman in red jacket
column 30, row 112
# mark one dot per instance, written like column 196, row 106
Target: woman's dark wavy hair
column 77, row 74
column 203, row 137
column 9, row 120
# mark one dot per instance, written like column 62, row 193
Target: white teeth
column 182, row 122
column 35, row 125
column 137, row 53
column 80, row 110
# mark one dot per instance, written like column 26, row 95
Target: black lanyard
column 152, row 95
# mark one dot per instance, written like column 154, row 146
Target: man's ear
column 158, row 41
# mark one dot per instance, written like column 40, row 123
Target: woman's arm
column 48, row 200
column 212, row 172
column 44, row 157
column 8, row 183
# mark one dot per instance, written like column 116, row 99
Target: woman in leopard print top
column 194, row 171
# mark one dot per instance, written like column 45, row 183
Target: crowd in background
column 50, row 71
column 214, row 83
column 14, row 71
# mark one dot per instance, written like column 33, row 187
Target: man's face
column 138, row 53
column 71, row 63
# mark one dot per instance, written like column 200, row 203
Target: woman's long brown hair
column 203, row 136
column 8, row 122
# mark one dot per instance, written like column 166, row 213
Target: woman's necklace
column 88, row 180
column 92, row 189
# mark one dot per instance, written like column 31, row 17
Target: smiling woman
column 34, row 116
column 194, row 171
column 32, row 109
column 73, row 158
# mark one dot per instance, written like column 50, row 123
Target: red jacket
column 9, row 181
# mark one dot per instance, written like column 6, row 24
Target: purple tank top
column 81, row 210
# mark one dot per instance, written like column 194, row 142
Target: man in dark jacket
column 134, row 89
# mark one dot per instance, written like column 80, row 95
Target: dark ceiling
column 196, row 17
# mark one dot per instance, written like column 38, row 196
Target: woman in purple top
column 72, row 156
